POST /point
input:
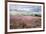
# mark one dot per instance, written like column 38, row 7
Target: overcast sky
column 25, row 8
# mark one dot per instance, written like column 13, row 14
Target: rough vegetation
column 18, row 22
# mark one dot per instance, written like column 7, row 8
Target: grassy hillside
column 25, row 13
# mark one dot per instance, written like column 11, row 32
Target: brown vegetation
column 17, row 22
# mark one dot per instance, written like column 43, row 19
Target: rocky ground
column 18, row 22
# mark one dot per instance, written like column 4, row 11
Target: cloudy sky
column 34, row 8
